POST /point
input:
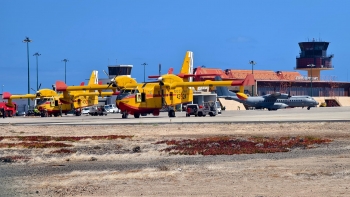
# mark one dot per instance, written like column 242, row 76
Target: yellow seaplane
column 170, row 90
column 52, row 103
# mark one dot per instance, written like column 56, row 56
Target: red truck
column 9, row 111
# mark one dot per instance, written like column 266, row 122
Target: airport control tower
column 313, row 58
column 116, row 70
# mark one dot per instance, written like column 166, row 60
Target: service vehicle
column 209, row 108
column 192, row 109
column 8, row 111
column 218, row 107
column 97, row 111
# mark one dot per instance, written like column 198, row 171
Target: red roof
column 241, row 74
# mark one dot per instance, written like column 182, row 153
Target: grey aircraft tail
column 223, row 91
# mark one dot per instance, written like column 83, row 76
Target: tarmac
column 327, row 114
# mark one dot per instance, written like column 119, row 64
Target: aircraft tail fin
column 170, row 71
column 93, row 77
column 223, row 91
column 187, row 65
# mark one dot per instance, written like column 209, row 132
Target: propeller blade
column 39, row 86
column 105, row 73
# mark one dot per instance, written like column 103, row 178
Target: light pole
column 311, row 65
column 65, row 62
column 144, row 71
column 37, row 72
column 27, row 40
column 252, row 63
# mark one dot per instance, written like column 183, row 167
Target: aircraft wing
column 97, row 94
column 249, row 80
column 7, row 95
column 61, row 86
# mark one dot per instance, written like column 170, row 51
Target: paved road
column 250, row 116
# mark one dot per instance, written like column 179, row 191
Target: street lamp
column 144, row 71
column 311, row 65
column 65, row 62
column 252, row 63
column 27, row 40
column 37, row 75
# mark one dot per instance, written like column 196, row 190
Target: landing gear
column 171, row 113
column 125, row 114
column 136, row 115
column 308, row 108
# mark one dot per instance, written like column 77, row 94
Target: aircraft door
column 143, row 97
column 138, row 98
column 52, row 102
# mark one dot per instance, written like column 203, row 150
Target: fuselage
column 279, row 102
column 151, row 97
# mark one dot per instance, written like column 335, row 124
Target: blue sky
column 222, row 34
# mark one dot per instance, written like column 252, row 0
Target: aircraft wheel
column 308, row 108
column 171, row 113
column 136, row 115
column 124, row 115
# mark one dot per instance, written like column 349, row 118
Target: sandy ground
column 112, row 168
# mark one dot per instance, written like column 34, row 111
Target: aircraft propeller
column 113, row 83
column 37, row 91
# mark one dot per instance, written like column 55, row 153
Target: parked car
column 85, row 110
column 112, row 108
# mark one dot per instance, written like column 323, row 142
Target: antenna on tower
column 160, row 69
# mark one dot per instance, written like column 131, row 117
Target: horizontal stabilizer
column 61, row 86
column 6, row 95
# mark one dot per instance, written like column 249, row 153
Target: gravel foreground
column 137, row 167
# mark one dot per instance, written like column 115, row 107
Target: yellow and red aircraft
column 143, row 98
column 170, row 90
column 49, row 102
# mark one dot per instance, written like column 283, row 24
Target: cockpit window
column 129, row 91
column 42, row 101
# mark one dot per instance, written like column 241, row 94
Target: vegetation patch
column 230, row 146
column 64, row 138
column 63, row 151
column 34, row 145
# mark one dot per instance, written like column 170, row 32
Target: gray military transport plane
column 270, row 101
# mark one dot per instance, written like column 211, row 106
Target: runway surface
column 249, row 116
